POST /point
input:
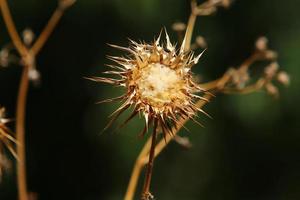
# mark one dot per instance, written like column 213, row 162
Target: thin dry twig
column 12, row 28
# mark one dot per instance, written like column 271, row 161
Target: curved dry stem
column 189, row 31
column 146, row 195
column 21, row 102
column 143, row 156
column 217, row 84
column 138, row 166
column 27, row 56
column 20, row 134
column 246, row 90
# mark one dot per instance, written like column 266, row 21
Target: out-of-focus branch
column 53, row 21
column 28, row 57
column 41, row 40
column 236, row 80
column 10, row 25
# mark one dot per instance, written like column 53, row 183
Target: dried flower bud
column 179, row 26
column 283, row 78
column 183, row 141
column 239, row 78
column 261, row 44
column 4, row 57
column 272, row 90
column 201, row 42
column 3, row 120
column 28, row 36
column 34, row 76
column 271, row 70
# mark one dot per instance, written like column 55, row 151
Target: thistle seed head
column 158, row 81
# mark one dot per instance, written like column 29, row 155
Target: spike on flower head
column 158, row 81
column 5, row 140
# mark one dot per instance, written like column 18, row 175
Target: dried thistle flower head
column 158, row 82
column 5, row 140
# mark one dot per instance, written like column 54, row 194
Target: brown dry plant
column 28, row 49
column 160, row 86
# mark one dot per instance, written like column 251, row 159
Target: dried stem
column 53, row 21
column 144, row 154
column 12, row 28
column 138, row 166
column 28, row 56
column 20, row 134
column 146, row 195
column 21, row 103
column 190, row 27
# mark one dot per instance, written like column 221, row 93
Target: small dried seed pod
column 28, row 36
column 271, row 70
column 179, row 26
column 201, row 42
column 261, row 44
column 283, row 78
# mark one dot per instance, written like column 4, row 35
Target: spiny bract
column 5, row 140
column 158, row 81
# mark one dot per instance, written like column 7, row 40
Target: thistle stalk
column 20, row 134
column 28, row 56
column 146, row 195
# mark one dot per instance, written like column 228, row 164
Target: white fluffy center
column 160, row 84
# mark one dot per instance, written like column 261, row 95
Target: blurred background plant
column 248, row 151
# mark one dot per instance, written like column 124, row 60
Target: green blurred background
column 249, row 151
